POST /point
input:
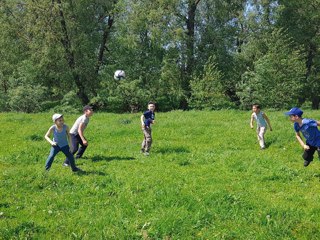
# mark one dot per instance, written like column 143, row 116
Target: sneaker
column 65, row 164
column 306, row 163
column 146, row 154
column 76, row 170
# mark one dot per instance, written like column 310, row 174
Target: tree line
column 182, row 54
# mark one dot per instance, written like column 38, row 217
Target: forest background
column 184, row 54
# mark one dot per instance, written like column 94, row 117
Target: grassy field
column 205, row 178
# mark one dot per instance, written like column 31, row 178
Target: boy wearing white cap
column 309, row 129
column 60, row 141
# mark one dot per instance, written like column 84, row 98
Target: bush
column 3, row 102
column 70, row 103
column 26, row 98
column 207, row 90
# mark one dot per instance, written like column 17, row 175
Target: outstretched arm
column 303, row 145
column 81, row 134
column 267, row 119
column 47, row 137
column 142, row 118
column 251, row 121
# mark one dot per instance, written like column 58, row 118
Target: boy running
column 262, row 121
column 309, row 129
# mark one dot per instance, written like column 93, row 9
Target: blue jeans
column 76, row 141
column 55, row 150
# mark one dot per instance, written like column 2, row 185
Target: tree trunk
column 103, row 43
column 309, row 63
column 315, row 102
column 70, row 57
column 190, row 22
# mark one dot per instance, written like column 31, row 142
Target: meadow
column 206, row 178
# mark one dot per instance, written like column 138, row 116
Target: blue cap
column 295, row 111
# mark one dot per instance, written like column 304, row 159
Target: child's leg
column 75, row 145
column 53, row 152
column 81, row 149
column 69, row 155
column 148, row 139
column 261, row 131
column 308, row 155
column 143, row 144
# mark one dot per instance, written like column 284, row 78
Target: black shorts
column 308, row 154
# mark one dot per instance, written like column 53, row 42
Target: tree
column 301, row 19
column 207, row 90
column 277, row 77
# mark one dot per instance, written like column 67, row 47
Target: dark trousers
column 75, row 142
column 308, row 154
column 54, row 151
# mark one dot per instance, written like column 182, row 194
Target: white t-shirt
column 82, row 119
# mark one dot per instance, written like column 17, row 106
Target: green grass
column 205, row 179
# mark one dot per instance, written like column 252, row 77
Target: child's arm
column 304, row 146
column 69, row 138
column 142, row 118
column 251, row 121
column 268, row 121
column 47, row 137
column 318, row 123
column 81, row 134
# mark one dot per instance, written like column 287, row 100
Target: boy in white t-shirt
column 77, row 134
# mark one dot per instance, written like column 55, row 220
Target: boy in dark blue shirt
column 147, row 118
column 309, row 129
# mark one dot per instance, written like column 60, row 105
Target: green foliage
column 202, row 180
column 207, row 91
column 3, row 102
column 121, row 96
column 69, row 104
column 26, row 98
column 164, row 44
column 168, row 92
column 277, row 77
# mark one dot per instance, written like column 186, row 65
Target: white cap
column 56, row 116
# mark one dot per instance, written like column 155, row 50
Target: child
column 147, row 118
column 262, row 121
column 310, row 131
column 77, row 134
column 60, row 141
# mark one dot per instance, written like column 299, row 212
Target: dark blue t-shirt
column 148, row 117
column 310, row 131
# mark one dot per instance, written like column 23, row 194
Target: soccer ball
column 119, row 75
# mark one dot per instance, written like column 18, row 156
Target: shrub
column 26, row 98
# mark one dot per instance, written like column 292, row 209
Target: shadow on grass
column 172, row 150
column 84, row 173
column 99, row 158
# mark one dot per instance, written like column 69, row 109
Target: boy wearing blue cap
column 309, row 129
column 147, row 118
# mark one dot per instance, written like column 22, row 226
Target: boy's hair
column 151, row 102
column 256, row 105
column 87, row 107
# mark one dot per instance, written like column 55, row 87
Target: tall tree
column 301, row 19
